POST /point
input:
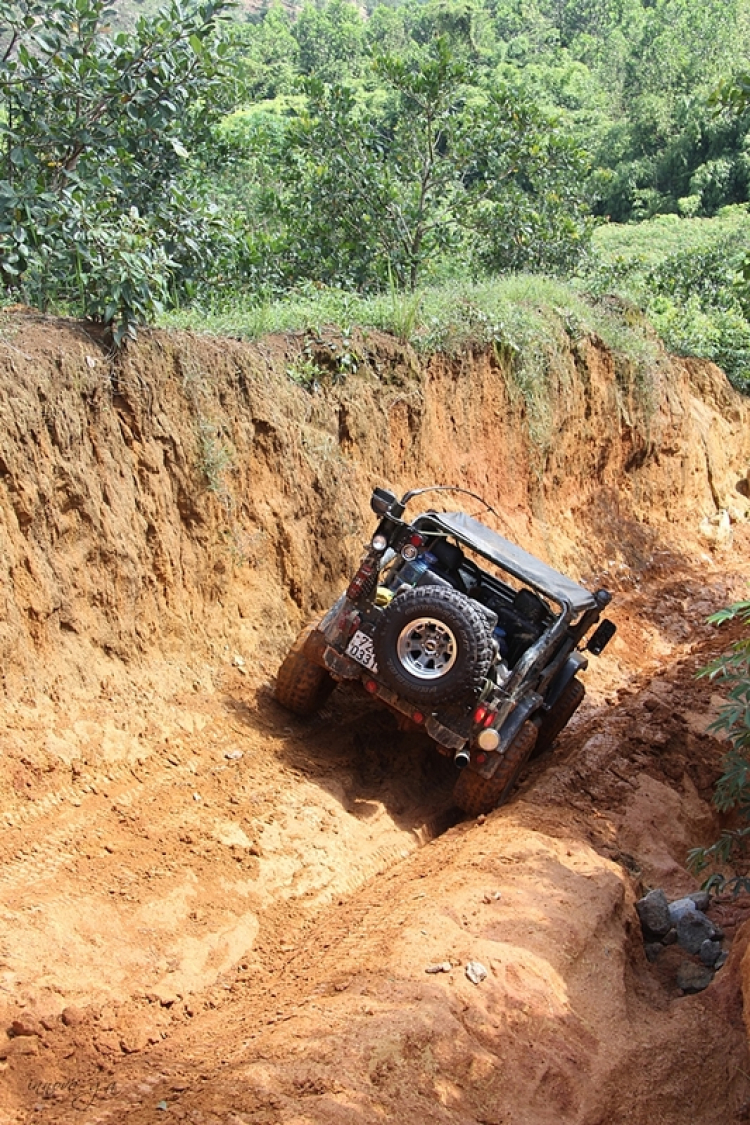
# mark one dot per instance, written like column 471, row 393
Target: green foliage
column 306, row 373
column 93, row 149
column 405, row 309
column 667, row 142
column 528, row 321
column 324, row 361
column 265, row 56
column 216, row 456
column 628, row 82
column 366, row 191
column 329, row 37
column 687, row 275
column 188, row 158
column 732, row 792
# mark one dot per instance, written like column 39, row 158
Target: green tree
column 266, row 56
column 665, row 143
column 388, row 187
column 330, row 40
column 526, row 184
column 94, row 205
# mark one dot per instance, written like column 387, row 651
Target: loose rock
column 680, row 908
column 709, row 953
column 442, row 967
column 20, row 1045
column 693, row 978
column 476, row 972
column 27, row 1024
column 654, row 913
column 71, row 1016
column 693, row 929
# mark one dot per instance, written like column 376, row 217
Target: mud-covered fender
column 575, row 663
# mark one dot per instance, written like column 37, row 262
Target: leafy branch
column 732, row 791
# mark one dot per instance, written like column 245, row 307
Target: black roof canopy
column 511, row 558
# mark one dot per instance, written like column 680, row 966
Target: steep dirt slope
column 214, row 912
column 178, row 499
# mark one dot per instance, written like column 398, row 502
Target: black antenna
column 447, row 488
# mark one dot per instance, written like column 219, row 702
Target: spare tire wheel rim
column 427, row 648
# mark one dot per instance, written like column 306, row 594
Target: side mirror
column 601, row 637
column 381, row 501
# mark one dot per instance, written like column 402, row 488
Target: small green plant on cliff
column 306, row 373
column 732, row 791
column 215, row 455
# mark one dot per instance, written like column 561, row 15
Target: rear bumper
column 342, row 667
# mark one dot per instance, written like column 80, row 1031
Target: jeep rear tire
column 433, row 645
column 475, row 794
column 301, row 685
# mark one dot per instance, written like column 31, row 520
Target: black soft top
column 512, row 558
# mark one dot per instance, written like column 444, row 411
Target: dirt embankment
column 214, row 912
column 192, row 495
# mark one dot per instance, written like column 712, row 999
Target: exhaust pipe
column 462, row 758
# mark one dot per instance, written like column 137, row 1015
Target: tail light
column 411, row 546
column 484, row 716
column 363, row 581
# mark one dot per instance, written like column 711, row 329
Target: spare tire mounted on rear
column 433, row 644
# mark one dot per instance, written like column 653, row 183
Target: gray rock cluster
column 684, row 923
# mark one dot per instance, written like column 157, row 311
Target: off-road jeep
column 460, row 632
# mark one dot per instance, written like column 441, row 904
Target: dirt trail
column 213, row 912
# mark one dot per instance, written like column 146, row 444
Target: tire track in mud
column 310, row 962
column 51, row 852
column 311, row 933
column 286, row 955
column 56, row 850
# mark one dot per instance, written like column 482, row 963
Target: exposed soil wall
column 190, row 494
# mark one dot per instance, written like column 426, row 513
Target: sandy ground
column 213, row 911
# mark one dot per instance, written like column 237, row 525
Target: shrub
column 732, row 791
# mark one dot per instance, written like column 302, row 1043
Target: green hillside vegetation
column 217, row 165
column 126, row 13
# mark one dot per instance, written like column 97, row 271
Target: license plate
column 360, row 649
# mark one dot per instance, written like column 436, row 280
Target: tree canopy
column 95, row 140
column 200, row 148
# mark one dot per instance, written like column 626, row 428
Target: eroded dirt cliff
column 212, row 911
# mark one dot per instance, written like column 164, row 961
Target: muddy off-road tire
column 301, row 685
column 433, row 645
column 559, row 715
column 475, row 794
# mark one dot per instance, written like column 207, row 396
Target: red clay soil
column 213, row 912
